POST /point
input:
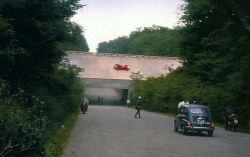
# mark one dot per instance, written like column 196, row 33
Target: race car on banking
column 121, row 67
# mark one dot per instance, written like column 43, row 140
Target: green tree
column 153, row 40
column 31, row 31
column 215, row 46
column 31, row 63
column 79, row 45
column 119, row 45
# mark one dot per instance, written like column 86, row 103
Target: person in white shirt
column 128, row 102
column 185, row 102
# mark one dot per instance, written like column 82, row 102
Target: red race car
column 121, row 67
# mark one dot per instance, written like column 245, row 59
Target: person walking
column 128, row 102
column 102, row 99
column 99, row 100
column 138, row 107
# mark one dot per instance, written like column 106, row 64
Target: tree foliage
column 114, row 46
column 155, row 40
column 31, row 32
column 79, row 45
column 214, row 45
column 22, row 128
column 39, row 89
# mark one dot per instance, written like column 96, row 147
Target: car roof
column 195, row 106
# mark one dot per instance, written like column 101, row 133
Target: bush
column 159, row 92
column 22, row 129
column 29, row 122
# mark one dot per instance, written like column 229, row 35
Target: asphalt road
column 112, row 131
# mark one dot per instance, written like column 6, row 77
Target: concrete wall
column 102, row 65
column 107, row 83
column 113, row 91
column 101, row 79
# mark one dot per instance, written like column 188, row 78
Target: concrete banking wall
column 99, row 76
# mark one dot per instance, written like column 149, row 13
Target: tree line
column 155, row 40
column 213, row 40
column 39, row 89
column 215, row 44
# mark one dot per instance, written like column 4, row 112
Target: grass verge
column 58, row 138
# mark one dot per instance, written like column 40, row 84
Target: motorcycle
column 231, row 122
column 84, row 107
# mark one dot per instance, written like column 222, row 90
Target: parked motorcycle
column 84, row 105
column 231, row 122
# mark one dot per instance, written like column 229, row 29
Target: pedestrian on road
column 128, row 102
column 98, row 99
column 138, row 107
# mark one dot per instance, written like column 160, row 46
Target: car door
column 184, row 118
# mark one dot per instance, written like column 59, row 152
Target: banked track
column 116, row 86
column 101, row 65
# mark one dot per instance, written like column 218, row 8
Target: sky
column 105, row 20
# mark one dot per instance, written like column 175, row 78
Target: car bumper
column 199, row 128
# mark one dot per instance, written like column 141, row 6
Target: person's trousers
column 138, row 113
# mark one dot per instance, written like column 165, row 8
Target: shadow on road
column 195, row 134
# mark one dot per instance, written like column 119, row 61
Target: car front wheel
column 175, row 128
column 210, row 133
column 184, row 132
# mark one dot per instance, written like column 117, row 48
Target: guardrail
column 122, row 55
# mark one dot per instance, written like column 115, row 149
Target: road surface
column 112, row 131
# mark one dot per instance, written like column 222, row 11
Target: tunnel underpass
column 107, row 96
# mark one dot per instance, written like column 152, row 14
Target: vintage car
column 121, row 67
column 194, row 118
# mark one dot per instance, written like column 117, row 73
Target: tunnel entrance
column 107, row 96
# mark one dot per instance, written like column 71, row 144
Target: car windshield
column 200, row 110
